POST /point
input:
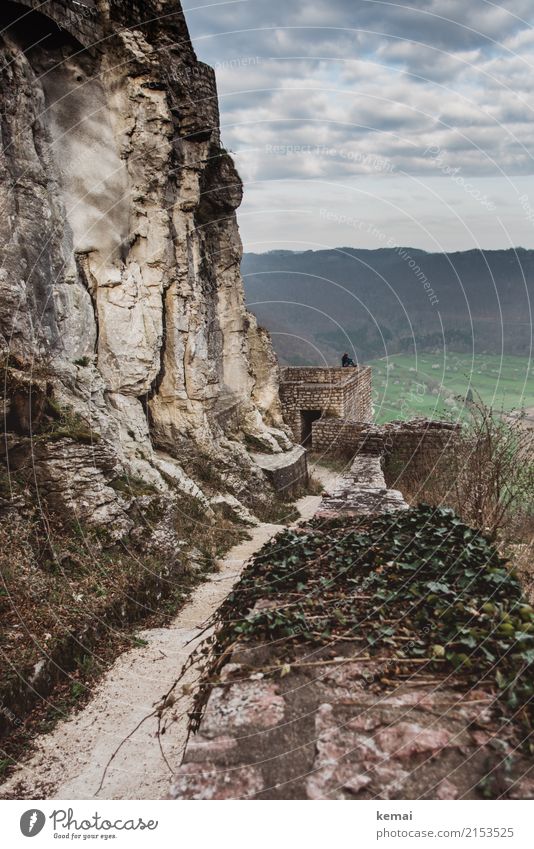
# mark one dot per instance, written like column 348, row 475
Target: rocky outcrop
column 120, row 280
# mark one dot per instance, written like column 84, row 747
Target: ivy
column 414, row 584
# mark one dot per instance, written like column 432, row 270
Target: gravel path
column 69, row 762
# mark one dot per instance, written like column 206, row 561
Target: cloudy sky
column 362, row 122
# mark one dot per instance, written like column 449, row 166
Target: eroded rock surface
column 120, row 279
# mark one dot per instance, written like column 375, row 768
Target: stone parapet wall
column 405, row 446
column 362, row 491
column 414, row 448
column 346, row 437
column 295, row 374
column 359, row 403
column 334, row 393
column 325, row 733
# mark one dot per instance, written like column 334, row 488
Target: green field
column 434, row 385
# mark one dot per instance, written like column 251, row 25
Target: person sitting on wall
column 346, row 361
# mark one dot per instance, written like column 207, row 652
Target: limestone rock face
column 120, row 280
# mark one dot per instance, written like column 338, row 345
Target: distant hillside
column 318, row 304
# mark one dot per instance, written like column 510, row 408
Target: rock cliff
column 126, row 345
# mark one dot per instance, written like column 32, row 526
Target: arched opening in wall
column 30, row 29
column 307, row 418
column 45, row 45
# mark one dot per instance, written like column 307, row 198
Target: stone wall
column 327, row 733
column 407, row 447
column 332, row 392
column 348, row 718
column 315, row 374
column 416, row 447
column 359, row 403
column 331, row 436
column 361, row 491
column 287, row 472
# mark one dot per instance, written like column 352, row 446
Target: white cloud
column 334, row 83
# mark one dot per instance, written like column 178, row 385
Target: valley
column 435, row 385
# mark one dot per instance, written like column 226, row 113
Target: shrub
column 486, row 475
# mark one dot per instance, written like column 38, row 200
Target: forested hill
column 372, row 302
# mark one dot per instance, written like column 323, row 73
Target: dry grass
column 212, row 537
column 486, row 475
column 336, row 463
column 277, row 512
column 70, row 604
column 522, row 556
column 315, row 486
column 70, row 598
column 56, row 577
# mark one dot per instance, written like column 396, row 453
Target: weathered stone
column 235, row 508
column 361, row 491
column 204, row 781
column 201, row 749
column 523, row 789
column 447, row 790
column 288, row 471
column 120, row 272
column 250, row 704
column 406, row 739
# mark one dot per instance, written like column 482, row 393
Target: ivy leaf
column 500, row 679
column 468, row 641
column 437, row 587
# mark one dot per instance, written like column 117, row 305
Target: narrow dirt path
column 69, row 762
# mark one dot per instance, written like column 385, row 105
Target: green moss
column 132, row 486
column 64, row 423
column 255, row 444
column 277, row 512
